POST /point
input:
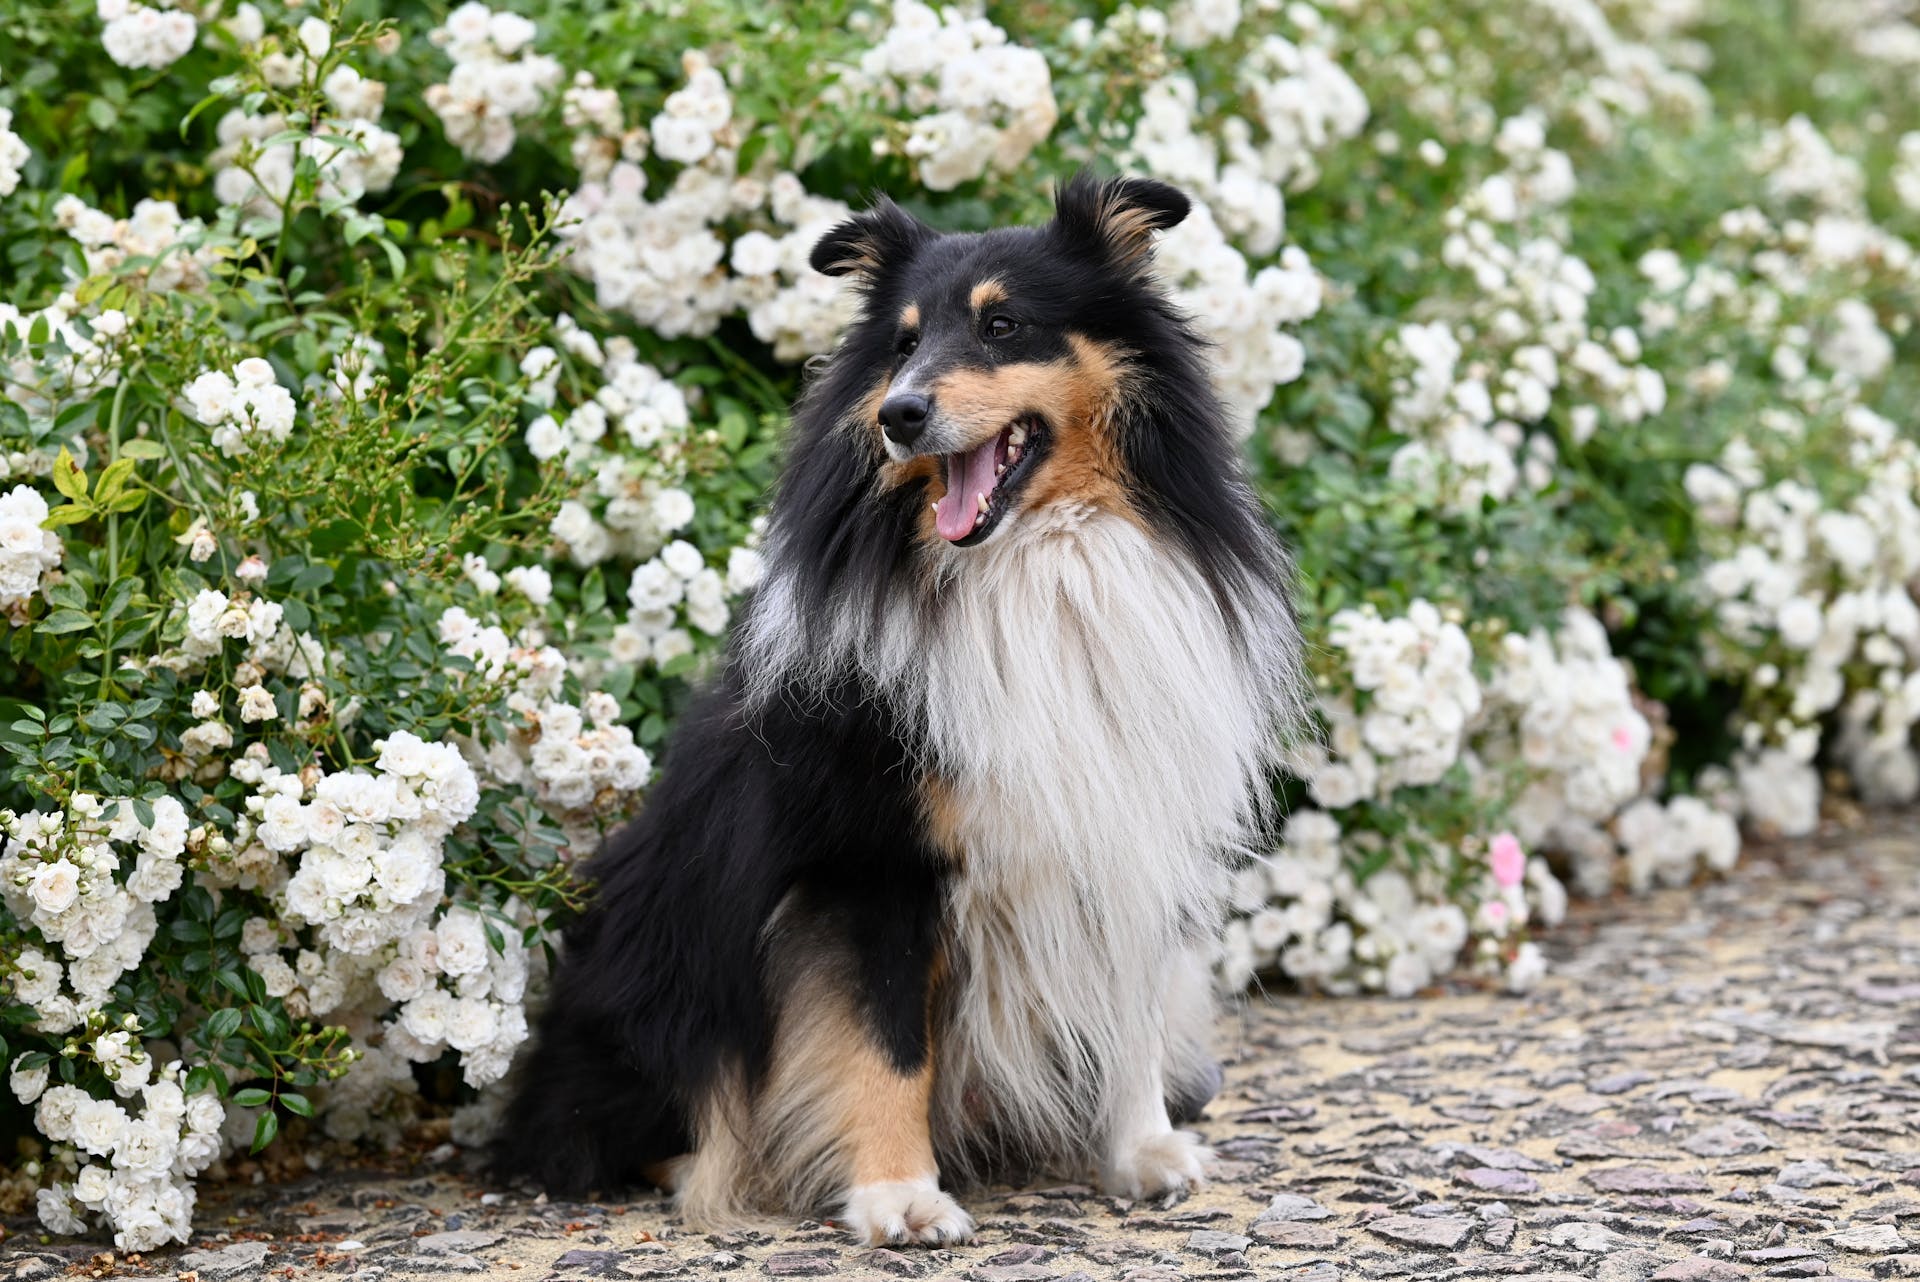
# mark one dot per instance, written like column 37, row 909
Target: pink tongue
column 968, row 475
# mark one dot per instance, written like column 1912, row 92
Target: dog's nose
column 904, row 417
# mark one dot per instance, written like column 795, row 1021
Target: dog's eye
column 1000, row 326
column 909, row 340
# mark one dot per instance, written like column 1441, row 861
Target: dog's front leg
column 895, row 1194
column 1145, row 1156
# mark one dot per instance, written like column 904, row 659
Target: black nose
column 904, row 416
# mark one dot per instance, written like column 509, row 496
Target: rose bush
column 385, row 407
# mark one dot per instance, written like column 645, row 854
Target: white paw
column 898, row 1211
column 1165, row 1163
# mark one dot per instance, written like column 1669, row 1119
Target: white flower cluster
column 1562, row 706
column 352, row 153
column 1296, row 103
column 155, row 233
column 1414, row 694
column 86, row 882
column 979, row 101
column 497, row 79
column 580, row 763
column 27, row 552
column 1906, row 171
column 369, row 843
column 630, row 443
column 1468, row 412
column 602, row 137
column 72, row 364
column 14, row 154
column 1243, row 314
column 665, row 261
column 457, row 990
column 1801, row 167
column 58, row 876
column 1811, row 599
column 1393, row 931
column 142, row 1185
column 1668, row 844
column 143, row 37
column 241, row 406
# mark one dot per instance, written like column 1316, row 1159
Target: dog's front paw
column 1163, row 1163
column 897, row 1211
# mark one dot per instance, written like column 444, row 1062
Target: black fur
column 815, row 800
column 663, row 982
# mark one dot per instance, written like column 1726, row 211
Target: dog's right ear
column 867, row 243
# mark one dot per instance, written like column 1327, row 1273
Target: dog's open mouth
column 982, row 482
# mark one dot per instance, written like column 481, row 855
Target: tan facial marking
column 910, row 316
column 1077, row 396
column 986, row 293
column 1084, row 463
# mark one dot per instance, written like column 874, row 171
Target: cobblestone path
column 1712, row 1084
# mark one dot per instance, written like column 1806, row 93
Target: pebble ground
column 1712, row 1084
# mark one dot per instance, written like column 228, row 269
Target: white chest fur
column 1104, row 735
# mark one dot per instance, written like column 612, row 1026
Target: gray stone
column 1214, row 1242
column 455, row 1242
column 239, row 1260
column 1502, row 1159
column 801, row 1264
column 898, row 1264
column 1440, row 1232
column 598, row 1264
column 1869, row 1239
column 1701, row 1268
column 1011, row 1273
column 1582, row 1235
column 1499, row 1235
column 1292, row 1206
column 1644, row 1179
column 1490, row 1179
column 1807, row 1175
column 1735, row 1138
column 1296, row 1235
column 1634, row 1264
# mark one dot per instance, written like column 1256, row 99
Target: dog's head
column 1000, row 361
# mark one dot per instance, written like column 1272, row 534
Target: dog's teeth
column 1018, row 436
column 981, row 500
column 1001, row 470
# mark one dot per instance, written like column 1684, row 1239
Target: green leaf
column 62, row 621
column 66, row 514
column 113, row 480
column 142, row 448
column 319, row 575
column 251, row 1097
column 297, row 1104
column 265, row 1130
column 223, row 1024
column 67, row 476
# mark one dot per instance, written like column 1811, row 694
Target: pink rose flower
column 1509, row 861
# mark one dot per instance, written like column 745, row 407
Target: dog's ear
column 1117, row 217
column 867, row 243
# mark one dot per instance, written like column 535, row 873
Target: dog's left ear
column 1118, row 216
column 867, row 243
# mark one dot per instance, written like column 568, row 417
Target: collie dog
column 930, row 885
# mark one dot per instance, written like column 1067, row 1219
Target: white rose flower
column 55, row 887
